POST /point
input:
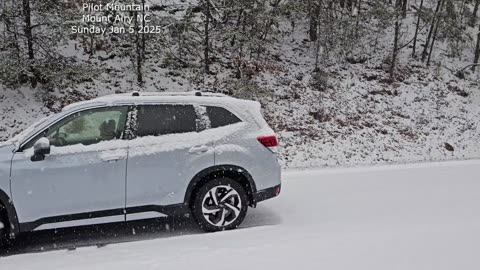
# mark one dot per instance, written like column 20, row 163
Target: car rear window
column 154, row 120
column 220, row 117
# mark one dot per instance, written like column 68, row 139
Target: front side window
column 87, row 127
column 155, row 120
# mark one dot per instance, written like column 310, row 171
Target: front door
column 82, row 180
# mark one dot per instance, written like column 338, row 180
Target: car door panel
column 167, row 156
column 66, row 184
column 163, row 177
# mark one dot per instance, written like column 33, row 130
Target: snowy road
column 394, row 217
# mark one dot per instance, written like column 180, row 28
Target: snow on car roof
column 247, row 108
column 140, row 97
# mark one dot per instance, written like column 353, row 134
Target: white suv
column 136, row 156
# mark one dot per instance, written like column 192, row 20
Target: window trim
column 34, row 136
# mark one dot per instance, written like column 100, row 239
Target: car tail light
column 268, row 141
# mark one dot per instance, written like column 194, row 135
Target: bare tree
column 206, row 49
column 419, row 13
column 434, row 38
column 314, row 10
column 29, row 37
column 430, row 32
column 404, row 8
column 473, row 19
column 396, row 37
column 140, row 45
column 477, row 50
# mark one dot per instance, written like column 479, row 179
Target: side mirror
column 40, row 149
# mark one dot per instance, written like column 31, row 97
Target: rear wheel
column 220, row 204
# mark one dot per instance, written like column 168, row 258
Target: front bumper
column 266, row 194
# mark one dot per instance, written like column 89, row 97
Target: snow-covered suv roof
column 149, row 97
column 249, row 109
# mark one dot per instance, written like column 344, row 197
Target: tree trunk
column 477, row 51
column 317, row 54
column 430, row 32
column 313, row 29
column 239, row 20
column 92, row 43
column 207, row 44
column 404, row 8
column 434, row 36
column 143, row 32
column 314, row 10
column 359, row 15
column 416, row 29
column 396, row 37
column 395, row 51
column 29, row 36
column 3, row 9
column 138, row 51
column 10, row 28
column 140, row 46
column 473, row 19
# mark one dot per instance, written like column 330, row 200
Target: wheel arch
column 234, row 172
column 11, row 212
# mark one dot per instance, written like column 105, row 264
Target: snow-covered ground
column 423, row 216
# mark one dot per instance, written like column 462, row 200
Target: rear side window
column 154, row 120
column 220, row 117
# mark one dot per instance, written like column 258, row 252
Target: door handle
column 113, row 156
column 112, row 159
column 198, row 149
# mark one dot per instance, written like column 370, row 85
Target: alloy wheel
column 221, row 205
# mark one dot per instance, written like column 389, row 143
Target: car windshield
column 28, row 131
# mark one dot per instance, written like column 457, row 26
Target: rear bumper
column 266, row 194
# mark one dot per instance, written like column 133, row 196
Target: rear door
column 165, row 155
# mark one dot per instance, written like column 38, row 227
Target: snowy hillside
column 332, row 100
column 358, row 119
column 391, row 217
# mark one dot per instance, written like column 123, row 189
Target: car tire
column 4, row 240
column 220, row 204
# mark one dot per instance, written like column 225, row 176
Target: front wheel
column 220, row 204
column 3, row 229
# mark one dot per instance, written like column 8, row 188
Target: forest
column 342, row 82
